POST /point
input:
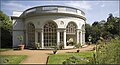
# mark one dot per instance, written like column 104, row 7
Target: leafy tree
column 109, row 53
column 6, row 30
column 88, row 29
column 106, row 29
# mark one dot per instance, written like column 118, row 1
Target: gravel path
column 39, row 56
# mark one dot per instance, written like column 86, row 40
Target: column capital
column 83, row 31
column 65, row 30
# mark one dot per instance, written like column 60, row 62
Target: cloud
column 79, row 4
column 102, row 5
column 13, row 6
column 115, row 12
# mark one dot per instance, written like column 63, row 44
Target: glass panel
column 31, row 33
column 50, row 35
column 71, row 28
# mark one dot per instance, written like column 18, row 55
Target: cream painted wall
column 16, row 42
column 39, row 21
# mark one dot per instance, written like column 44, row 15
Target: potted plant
column 37, row 45
column 78, row 46
column 55, row 49
column 21, row 45
column 61, row 46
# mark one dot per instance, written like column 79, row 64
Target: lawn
column 11, row 59
column 5, row 49
column 59, row 58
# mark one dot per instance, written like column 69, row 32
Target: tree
column 88, row 30
column 109, row 53
column 6, row 30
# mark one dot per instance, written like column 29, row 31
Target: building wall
column 18, row 29
column 61, row 21
column 39, row 21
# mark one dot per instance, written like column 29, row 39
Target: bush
column 37, row 45
column 75, row 60
column 61, row 46
column 108, row 54
column 55, row 49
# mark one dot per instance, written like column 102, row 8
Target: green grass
column 59, row 58
column 4, row 49
column 11, row 59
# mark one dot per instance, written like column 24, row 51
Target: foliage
column 61, row 45
column 55, row 49
column 20, row 38
column 5, row 23
column 6, row 30
column 4, row 49
column 11, row 59
column 53, row 59
column 105, row 29
column 37, row 45
column 108, row 53
column 75, row 60
column 88, row 29
column 77, row 45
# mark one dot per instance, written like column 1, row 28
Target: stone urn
column 21, row 46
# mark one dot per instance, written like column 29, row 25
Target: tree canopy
column 6, row 30
column 106, row 29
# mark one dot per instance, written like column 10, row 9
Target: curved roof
column 53, row 6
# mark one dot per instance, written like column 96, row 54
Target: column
column 26, row 38
column 58, row 38
column 64, row 38
column 36, row 36
column 81, row 37
column 42, row 39
column 77, row 36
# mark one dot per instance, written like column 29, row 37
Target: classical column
column 42, row 39
column 64, row 38
column 58, row 38
column 81, row 37
column 36, row 36
column 26, row 38
column 77, row 36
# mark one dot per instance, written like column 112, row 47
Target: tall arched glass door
column 31, row 34
column 71, row 33
column 50, row 34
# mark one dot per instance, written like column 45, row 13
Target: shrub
column 55, row 49
column 61, row 46
column 37, row 45
column 75, row 60
column 108, row 54
column 20, row 38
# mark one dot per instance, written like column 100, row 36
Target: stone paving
column 40, row 56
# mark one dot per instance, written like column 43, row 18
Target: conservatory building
column 49, row 26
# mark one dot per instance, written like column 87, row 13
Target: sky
column 94, row 10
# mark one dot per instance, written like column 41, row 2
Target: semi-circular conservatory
column 49, row 26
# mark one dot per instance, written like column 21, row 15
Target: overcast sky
column 94, row 10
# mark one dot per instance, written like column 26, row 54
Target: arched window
column 71, row 28
column 50, row 34
column 70, row 33
column 31, row 33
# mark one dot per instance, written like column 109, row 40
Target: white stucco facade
column 49, row 25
